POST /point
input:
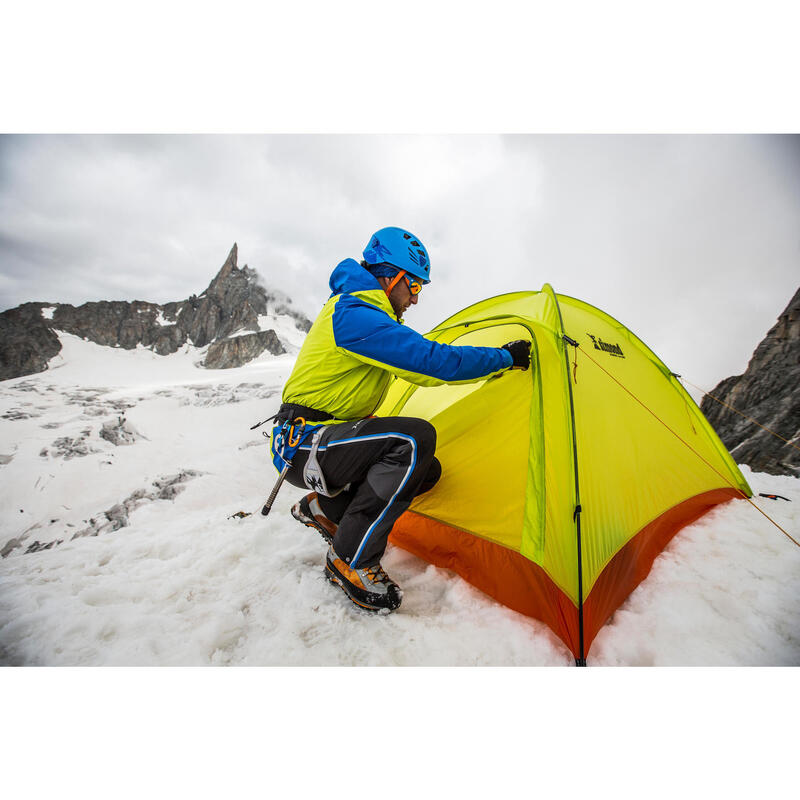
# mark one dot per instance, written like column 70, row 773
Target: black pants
column 387, row 461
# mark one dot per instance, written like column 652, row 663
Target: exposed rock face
column 27, row 343
column 233, row 301
column 119, row 324
column 768, row 391
column 239, row 350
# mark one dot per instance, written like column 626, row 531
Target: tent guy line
column 687, row 444
column 736, row 410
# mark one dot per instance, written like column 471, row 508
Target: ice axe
column 275, row 489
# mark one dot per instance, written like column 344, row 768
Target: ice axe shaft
column 275, row 489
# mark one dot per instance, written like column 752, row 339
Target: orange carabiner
column 291, row 432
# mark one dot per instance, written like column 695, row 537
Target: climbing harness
column 286, row 438
column 294, row 423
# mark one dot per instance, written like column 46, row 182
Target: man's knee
column 424, row 434
column 431, row 476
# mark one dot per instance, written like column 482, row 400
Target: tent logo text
column 612, row 349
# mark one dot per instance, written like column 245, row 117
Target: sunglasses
column 413, row 286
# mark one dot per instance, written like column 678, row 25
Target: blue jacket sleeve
column 370, row 334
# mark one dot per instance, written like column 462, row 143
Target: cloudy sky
column 692, row 241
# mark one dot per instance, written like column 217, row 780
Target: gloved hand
column 521, row 353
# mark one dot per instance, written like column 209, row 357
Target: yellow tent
column 562, row 483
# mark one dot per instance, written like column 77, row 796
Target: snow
column 183, row 583
column 161, row 320
column 47, row 313
column 285, row 329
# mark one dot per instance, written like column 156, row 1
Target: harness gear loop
column 259, row 424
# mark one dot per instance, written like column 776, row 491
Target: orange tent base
column 523, row 586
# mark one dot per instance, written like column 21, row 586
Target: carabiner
column 299, row 435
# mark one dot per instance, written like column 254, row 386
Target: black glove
column 521, row 353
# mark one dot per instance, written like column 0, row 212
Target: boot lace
column 376, row 574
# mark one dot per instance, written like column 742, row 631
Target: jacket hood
column 349, row 276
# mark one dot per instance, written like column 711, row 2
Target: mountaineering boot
column 369, row 587
column 309, row 512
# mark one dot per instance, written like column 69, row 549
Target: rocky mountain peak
column 233, row 303
column 767, row 392
column 228, row 272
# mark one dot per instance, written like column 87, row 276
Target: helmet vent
column 400, row 249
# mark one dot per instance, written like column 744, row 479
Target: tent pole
column 580, row 661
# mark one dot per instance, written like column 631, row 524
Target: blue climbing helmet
column 401, row 249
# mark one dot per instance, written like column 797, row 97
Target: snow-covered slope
column 290, row 336
column 147, row 458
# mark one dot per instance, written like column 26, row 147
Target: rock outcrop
column 27, row 342
column 119, row 324
column 232, row 302
column 237, row 350
column 768, row 391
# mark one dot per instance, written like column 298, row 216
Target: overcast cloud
column 692, row 241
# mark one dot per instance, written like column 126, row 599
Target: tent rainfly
column 561, row 484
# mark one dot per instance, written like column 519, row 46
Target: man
column 366, row 470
